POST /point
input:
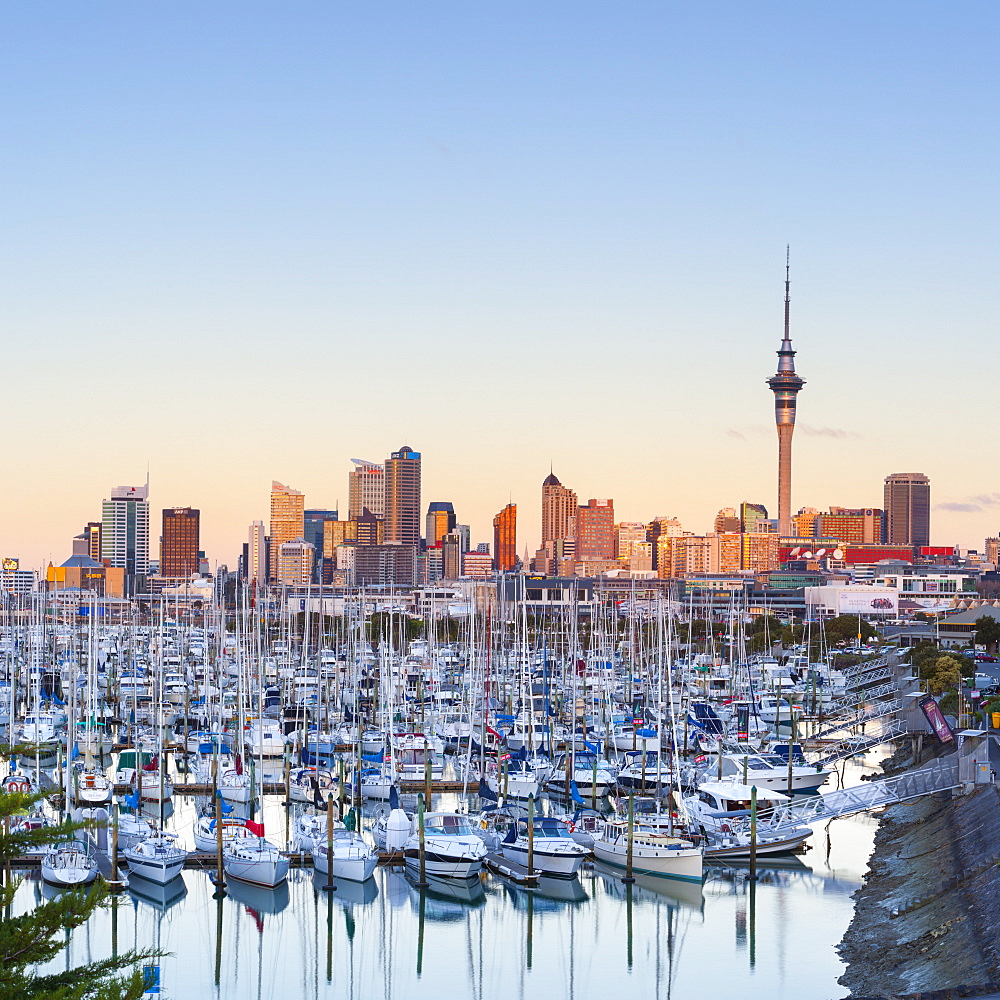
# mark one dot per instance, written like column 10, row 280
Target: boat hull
column 684, row 865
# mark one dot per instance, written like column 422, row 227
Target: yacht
column 69, row 863
column 156, row 858
column 552, row 851
column 255, row 860
column 653, row 853
column 353, row 859
column 451, row 849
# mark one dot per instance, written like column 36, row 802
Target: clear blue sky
column 251, row 241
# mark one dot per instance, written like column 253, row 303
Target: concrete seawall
column 927, row 917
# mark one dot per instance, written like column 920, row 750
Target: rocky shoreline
column 926, row 918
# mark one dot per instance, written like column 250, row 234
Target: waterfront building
column 907, row 507
column 402, row 497
column 180, row 542
column 125, row 534
column 365, row 488
column 287, row 521
column 505, row 539
column 785, row 385
column 257, row 553
column 595, row 530
column 296, row 558
column 439, row 521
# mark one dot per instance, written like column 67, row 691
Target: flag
column 153, row 765
column 133, row 800
column 257, row 829
column 239, row 764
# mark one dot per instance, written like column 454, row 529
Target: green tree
column 942, row 673
column 37, row 936
column 988, row 633
column 845, row 628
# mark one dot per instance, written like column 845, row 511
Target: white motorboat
column 552, row 850
column 264, row 738
column 644, row 770
column 156, row 858
column 451, row 849
column 653, row 853
column 769, row 770
column 411, row 753
column 69, row 863
column 254, row 860
column 353, row 859
column 721, row 810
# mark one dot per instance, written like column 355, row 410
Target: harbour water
column 587, row 939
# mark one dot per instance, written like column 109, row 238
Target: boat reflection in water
column 649, row 888
column 153, row 894
column 346, row 892
column 257, row 897
column 445, row 898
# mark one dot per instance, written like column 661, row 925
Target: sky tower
column 785, row 385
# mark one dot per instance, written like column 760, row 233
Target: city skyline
column 563, row 235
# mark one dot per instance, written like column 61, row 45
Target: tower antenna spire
column 788, row 299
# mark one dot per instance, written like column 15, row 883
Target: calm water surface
column 588, row 939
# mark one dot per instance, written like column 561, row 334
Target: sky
column 251, row 241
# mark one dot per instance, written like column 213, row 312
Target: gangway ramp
column 938, row 776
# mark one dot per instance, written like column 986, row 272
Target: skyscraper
column 257, row 553
column 907, row 518
column 402, row 497
column 365, row 488
column 785, row 385
column 439, row 521
column 287, row 520
column 125, row 534
column 93, row 535
column 558, row 510
column 505, row 539
column 180, row 541
column 314, row 522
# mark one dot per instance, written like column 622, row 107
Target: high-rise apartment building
column 365, row 488
column 505, row 539
column 287, row 520
column 595, row 530
column 439, row 521
column 629, row 534
column 257, row 553
column 451, row 556
column 296, row 559
column 402, row 497
column 558, row 510
column 180, row 541
column 125, row 534
column 371, row 529
column 907, row 509
column 804, row 523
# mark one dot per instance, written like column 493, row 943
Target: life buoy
column 571, row 826
column 724, row 828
